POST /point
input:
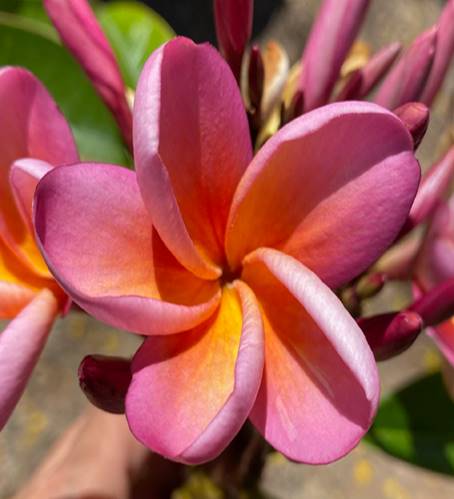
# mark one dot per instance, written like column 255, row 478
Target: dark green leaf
column 417, row 424
column 134, row 31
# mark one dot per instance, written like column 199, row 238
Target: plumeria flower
column 224, row 261
column 80, row 31
column 34, row 136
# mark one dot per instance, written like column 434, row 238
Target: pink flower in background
column 34, row 136
column 224, row 261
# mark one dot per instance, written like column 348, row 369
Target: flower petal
column 97, row 239
column 21, row 344
column 191, row 146
column 330, row 39
column 81, row 33
column 192, row 392
column 320, row 389
column 332, row 188
column 36, row 129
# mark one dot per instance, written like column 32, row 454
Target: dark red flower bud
column 105, row 381
column 391, row 334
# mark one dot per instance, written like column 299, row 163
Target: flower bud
column 370, row 285
column 105, row 381
column 431, row 190
column 415, row 116
column 390, row 334
column 437, row 305
column 256, row 78
column 233, row 20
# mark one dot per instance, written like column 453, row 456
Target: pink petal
column 191, row 146
column 192, row 392
column 332, row 188
column 81, row 33
column 443, row 54
column 35, row 128
column 331, row 37
column 97, row 239
column 21, row 344
column 407, row 79
column 320, row 389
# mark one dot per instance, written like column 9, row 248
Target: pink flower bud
column 415, row 117
column 437, row 305
column 391, row 334
column 406, row 80
column 105, row 381
column 330, row 39
column 233, row 19
column 80, row 31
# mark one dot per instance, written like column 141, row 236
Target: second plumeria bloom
column 225, row 261
column 33, row 138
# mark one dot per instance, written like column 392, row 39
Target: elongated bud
column 433, row 185
column 105, row 381
column 437, row 305
column 334, row 30
column 370, row 285
column 443, row 54
column 80, row 31
column 405, row 82
column 233, row 20
column 256, row 77
column 390, row 334
column 415, row 116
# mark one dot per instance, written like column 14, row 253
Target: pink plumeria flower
column 236, row 254
column 34, row 136
column 80, row 31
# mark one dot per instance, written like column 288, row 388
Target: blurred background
column 53, row 397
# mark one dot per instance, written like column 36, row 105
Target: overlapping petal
column 34, row 128
column 98, row 241
column 320, row 388
column 200, row 384
column 20, row 346
column 191, row 146
column 321, row 190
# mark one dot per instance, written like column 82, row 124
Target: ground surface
column 53, row 397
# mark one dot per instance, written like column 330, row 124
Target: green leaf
column 134, row 31
column 417, row 424
column 28, row 44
